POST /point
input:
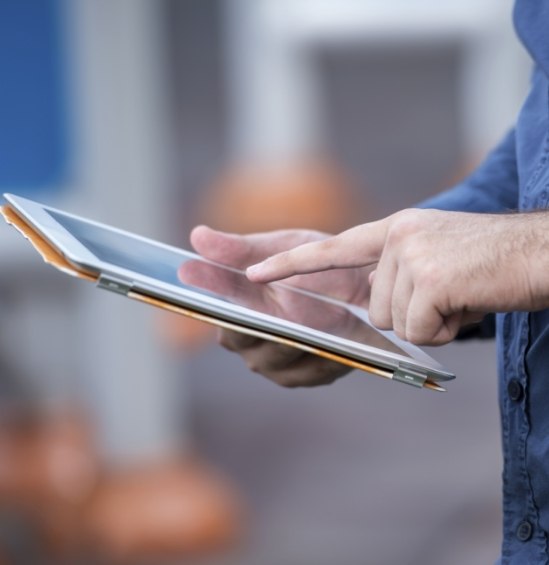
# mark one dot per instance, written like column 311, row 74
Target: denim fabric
column 516, row 176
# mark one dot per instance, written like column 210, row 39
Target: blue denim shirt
column 515, row 176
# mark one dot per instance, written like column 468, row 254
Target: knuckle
column 405, row 224
column 226, row 339
column 399, row 324
column 253, row 365
column 401, row 334
column 286, row 381
column 374, row 317
column 429, row 276
column 379, row 319
column 412, row 255
column 416, row 338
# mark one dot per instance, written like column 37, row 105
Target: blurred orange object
column 49, row 473
column 170, row 509
column 46, row 459
column 314, row 195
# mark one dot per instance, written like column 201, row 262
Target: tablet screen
column 188, row 271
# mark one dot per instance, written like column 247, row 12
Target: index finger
column 357, row 247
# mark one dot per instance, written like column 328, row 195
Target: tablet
column 182, row 281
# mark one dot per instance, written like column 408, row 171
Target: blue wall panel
column 33, row 109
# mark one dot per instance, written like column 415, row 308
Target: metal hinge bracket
column 108, row 282
column 410, row 376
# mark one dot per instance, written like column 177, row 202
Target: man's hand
column 434, row 271
column 285, row 365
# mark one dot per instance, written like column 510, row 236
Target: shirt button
column 524, row 531
column 515, row 390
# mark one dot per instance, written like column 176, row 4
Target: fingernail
column 254, row 269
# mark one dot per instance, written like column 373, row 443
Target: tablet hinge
column 108, row 282
column 409, row 376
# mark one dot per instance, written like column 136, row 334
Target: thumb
column 239, row 251
column 226, row 248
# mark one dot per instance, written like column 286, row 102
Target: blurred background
column 127, row 435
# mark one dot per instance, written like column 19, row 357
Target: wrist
column 532, row 257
